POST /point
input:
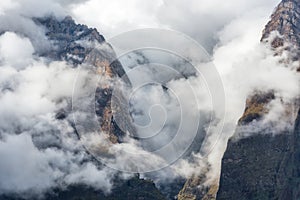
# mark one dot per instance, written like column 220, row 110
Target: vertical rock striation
column 77, row 44
column 262, row 165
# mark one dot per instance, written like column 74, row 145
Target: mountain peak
column 286, row 21
column 265, row 165
column 64, row 35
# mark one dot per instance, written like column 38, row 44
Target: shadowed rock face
column 257, row 167
column 64, row 36
column 266, row 166
column 262, row 166
column 132, row 189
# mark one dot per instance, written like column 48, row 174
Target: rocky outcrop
column 284, row 32
column 255, row 167
column 190, row 190
column 263, row 165
column 194, row 189
column 64, row 36
column 78, row 44
column 134, row 188
column 285, row 20
column 256, row 107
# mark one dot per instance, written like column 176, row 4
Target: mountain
column 134, row 188
column 265, row 165
column 194, row 189
column 77, row 45
column 66, row 38
column 260, row 166
column 285, row 21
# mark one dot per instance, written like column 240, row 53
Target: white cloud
column 32, row 90
column 200, row 19
column 15, row 50
column 23, row 166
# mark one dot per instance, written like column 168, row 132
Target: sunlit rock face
column 79, row 45
column 257, row 164
column 262, row 162
column 285, row 24
column 286, row 21
column 283, row 33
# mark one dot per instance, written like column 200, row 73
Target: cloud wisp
column 34, row 89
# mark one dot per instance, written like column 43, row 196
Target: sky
column 202, row 20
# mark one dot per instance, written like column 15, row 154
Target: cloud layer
column 34, row 89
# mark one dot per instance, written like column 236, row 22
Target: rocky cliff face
column 266, row 166
column 193, row 189
column 285, row 21
column 77, row 44
column 134, row 188
column 262, row 166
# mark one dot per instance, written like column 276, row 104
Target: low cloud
column 32, row 90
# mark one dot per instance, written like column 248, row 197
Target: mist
column 34, row 89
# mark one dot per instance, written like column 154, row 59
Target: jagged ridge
column 264, row 166
column 68, row 43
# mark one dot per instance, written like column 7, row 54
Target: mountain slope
column 77, row 44
column 266, row 166
column 134, row 188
